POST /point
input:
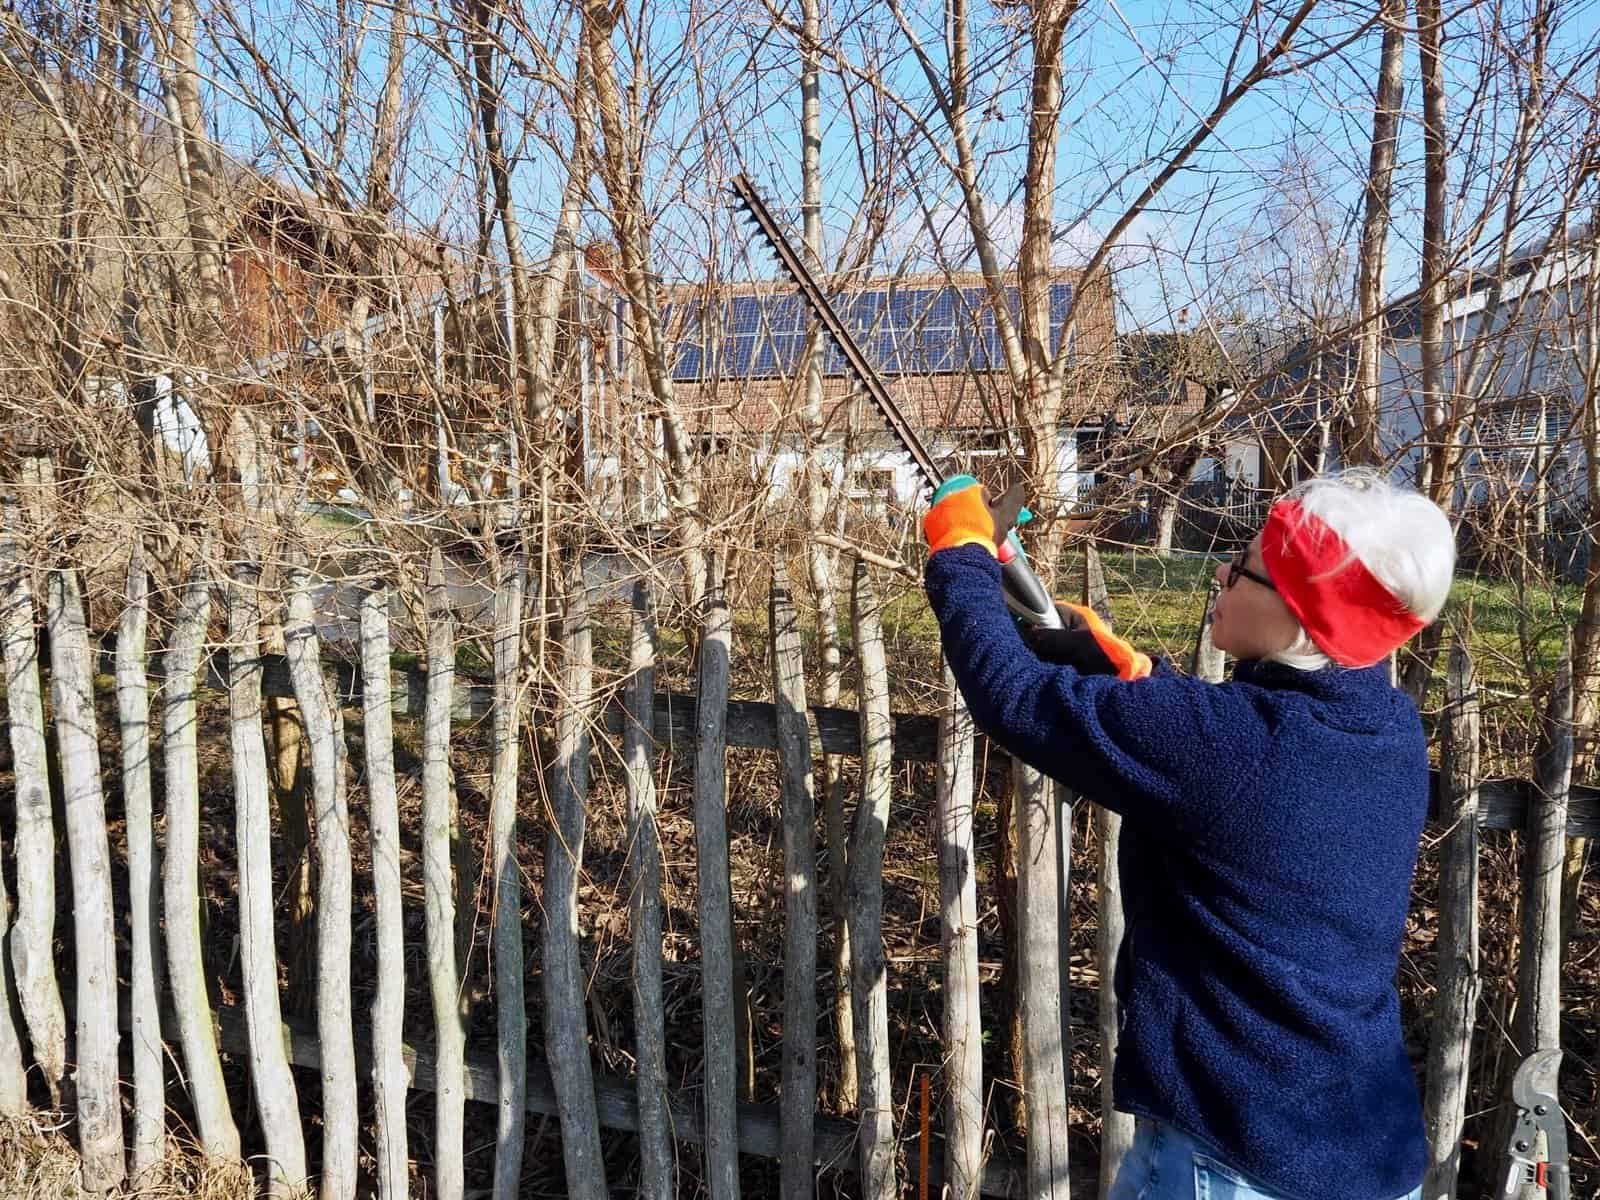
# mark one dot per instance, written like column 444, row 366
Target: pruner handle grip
column 1025, row 595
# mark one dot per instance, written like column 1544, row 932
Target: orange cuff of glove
column 960, row 519
column 1129, row 663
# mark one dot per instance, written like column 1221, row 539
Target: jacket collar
column 1331, row 684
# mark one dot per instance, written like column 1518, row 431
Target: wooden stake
column 1116, row 1128
column 799, row 1082
column 439, row 891
column 33, row 933
column 1538, row 1020
column 1456, row 1004
column 93, row 924
column 269, row 1068
column 958, row 905
column 324, row 732
column 389, row 1077
column 144, row 915
column 656, row 1169
column 565, row 1026
column 867, row 838
column 1208, row 662
column 510, row 1003
column 716, row 905
column 1038, row 814
column 180, row 871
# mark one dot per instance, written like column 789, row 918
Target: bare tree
column 1361, row 443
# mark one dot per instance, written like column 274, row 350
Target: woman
column 1270, row 834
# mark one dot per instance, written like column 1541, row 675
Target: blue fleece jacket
column 1270, row 835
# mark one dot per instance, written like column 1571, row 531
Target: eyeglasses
column 1236, row 568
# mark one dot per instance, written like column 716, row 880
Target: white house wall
column 780, row 466
column 177, row 425
column 1523, row 353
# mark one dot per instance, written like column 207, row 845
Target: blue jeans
column 1165, row 1164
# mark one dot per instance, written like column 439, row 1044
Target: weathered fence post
column 958, row 906
column 715, row 899
column 180, row 867
column 33, row 932
column 324, row 731
column 1538, row 1021
column 871, row 985
column 450, row 1096
column 565, row 1027
column 144, row 916
column 1455, row 1005
column 389, row 1076
column 269, row 1065
column 1116, row 1128
column 656, row 1168
column 13, row 1075
column 1042, row 812
column 1208, row 662
column 798, row 1102
column 1040, row 1001
column 511, row 1030
column 93, row 926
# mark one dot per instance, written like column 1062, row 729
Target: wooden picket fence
column 166, row 1008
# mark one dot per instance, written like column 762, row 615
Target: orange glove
column 1086, row 643
column 961, row 515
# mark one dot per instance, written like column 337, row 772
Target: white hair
column 1403, row 539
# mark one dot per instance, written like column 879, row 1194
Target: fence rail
column 752, row 725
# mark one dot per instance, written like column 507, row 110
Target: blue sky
column 1281, row 175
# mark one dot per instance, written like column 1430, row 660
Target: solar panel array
column 902, row 331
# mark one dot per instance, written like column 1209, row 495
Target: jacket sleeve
column 1169, row 747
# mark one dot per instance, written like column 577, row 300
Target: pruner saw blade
column 816, row 300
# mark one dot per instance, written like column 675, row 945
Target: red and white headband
column 1351, row 617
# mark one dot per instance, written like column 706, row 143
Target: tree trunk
column 622, row 175
column 820, row 561
column 520, row 330
column 1437, row 472
column 200, row 179
column 1166, row 520
column 1040, row 390
column 1360, row 442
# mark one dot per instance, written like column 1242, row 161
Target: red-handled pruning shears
column 1024, row 594
column 1533, row 1091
